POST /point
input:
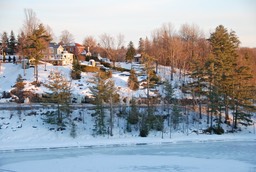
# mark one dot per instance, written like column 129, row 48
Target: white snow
column 9, row 73
column 19, row 131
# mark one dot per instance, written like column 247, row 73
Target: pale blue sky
column 132, row 18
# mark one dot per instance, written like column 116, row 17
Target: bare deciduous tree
column 107, row 41
column 111, row 45
column 90, row 42
column 49, row 31
column 119, row 41
column 66, row 37
column 190, row 36
column 164, row 45
column 31, row 22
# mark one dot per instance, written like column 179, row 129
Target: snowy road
column 235, row 156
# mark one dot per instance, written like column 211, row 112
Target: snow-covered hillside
column 22, row 129
column 80, row 88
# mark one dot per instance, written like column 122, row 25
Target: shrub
column 144, row 131
column 90, row 69
column 215, row 130
column 133, row 81
column 133, row 119
column 105, row 75
column 75, row 74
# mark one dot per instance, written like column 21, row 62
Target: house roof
column 54, row 45
column 74, row 45
column 137, row 56
column 79, row 45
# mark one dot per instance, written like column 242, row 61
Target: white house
column 52, row 51
column 65, row 58
column 56, row 55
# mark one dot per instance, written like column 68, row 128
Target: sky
column 132, row 18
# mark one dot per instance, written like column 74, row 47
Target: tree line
column 167, row 45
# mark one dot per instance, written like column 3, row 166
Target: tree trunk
column 59, row 115
column 200, row 109
column 226, row 109
column 236, row 115
column 36, row 73
column 211, row 122
column 111, row 116
column 219, row 118
column 208, row 115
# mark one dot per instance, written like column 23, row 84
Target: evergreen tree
column 98, row 91
column 38, row 41
column 198, row 84
column 104, row 91
column 175, row 116
column 149, row 66
column 12, row 44
column 224, row 49
column 141, row 48
column 212, row 92
column 60, row 94
column 169, row 99
column 169, row 92
column 230, row 80
column 242, row 97
column 76, row 70
column 133, row 117
column 111, row 97
column 133, row 82
column 130, row 52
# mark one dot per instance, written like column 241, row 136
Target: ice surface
column 235, row 156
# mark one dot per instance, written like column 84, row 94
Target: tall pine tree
column 111, row 97
column 141, row 48
column 198, row 84
column 130, row 52
column 229, row 86
column 99, row 93
column 60, row 94
column 12, row 44
column 38, row 41
column 242, row 97
column 224, row 49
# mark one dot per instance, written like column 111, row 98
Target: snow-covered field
column 210, row 156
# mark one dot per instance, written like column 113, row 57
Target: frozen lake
column 235, row 156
